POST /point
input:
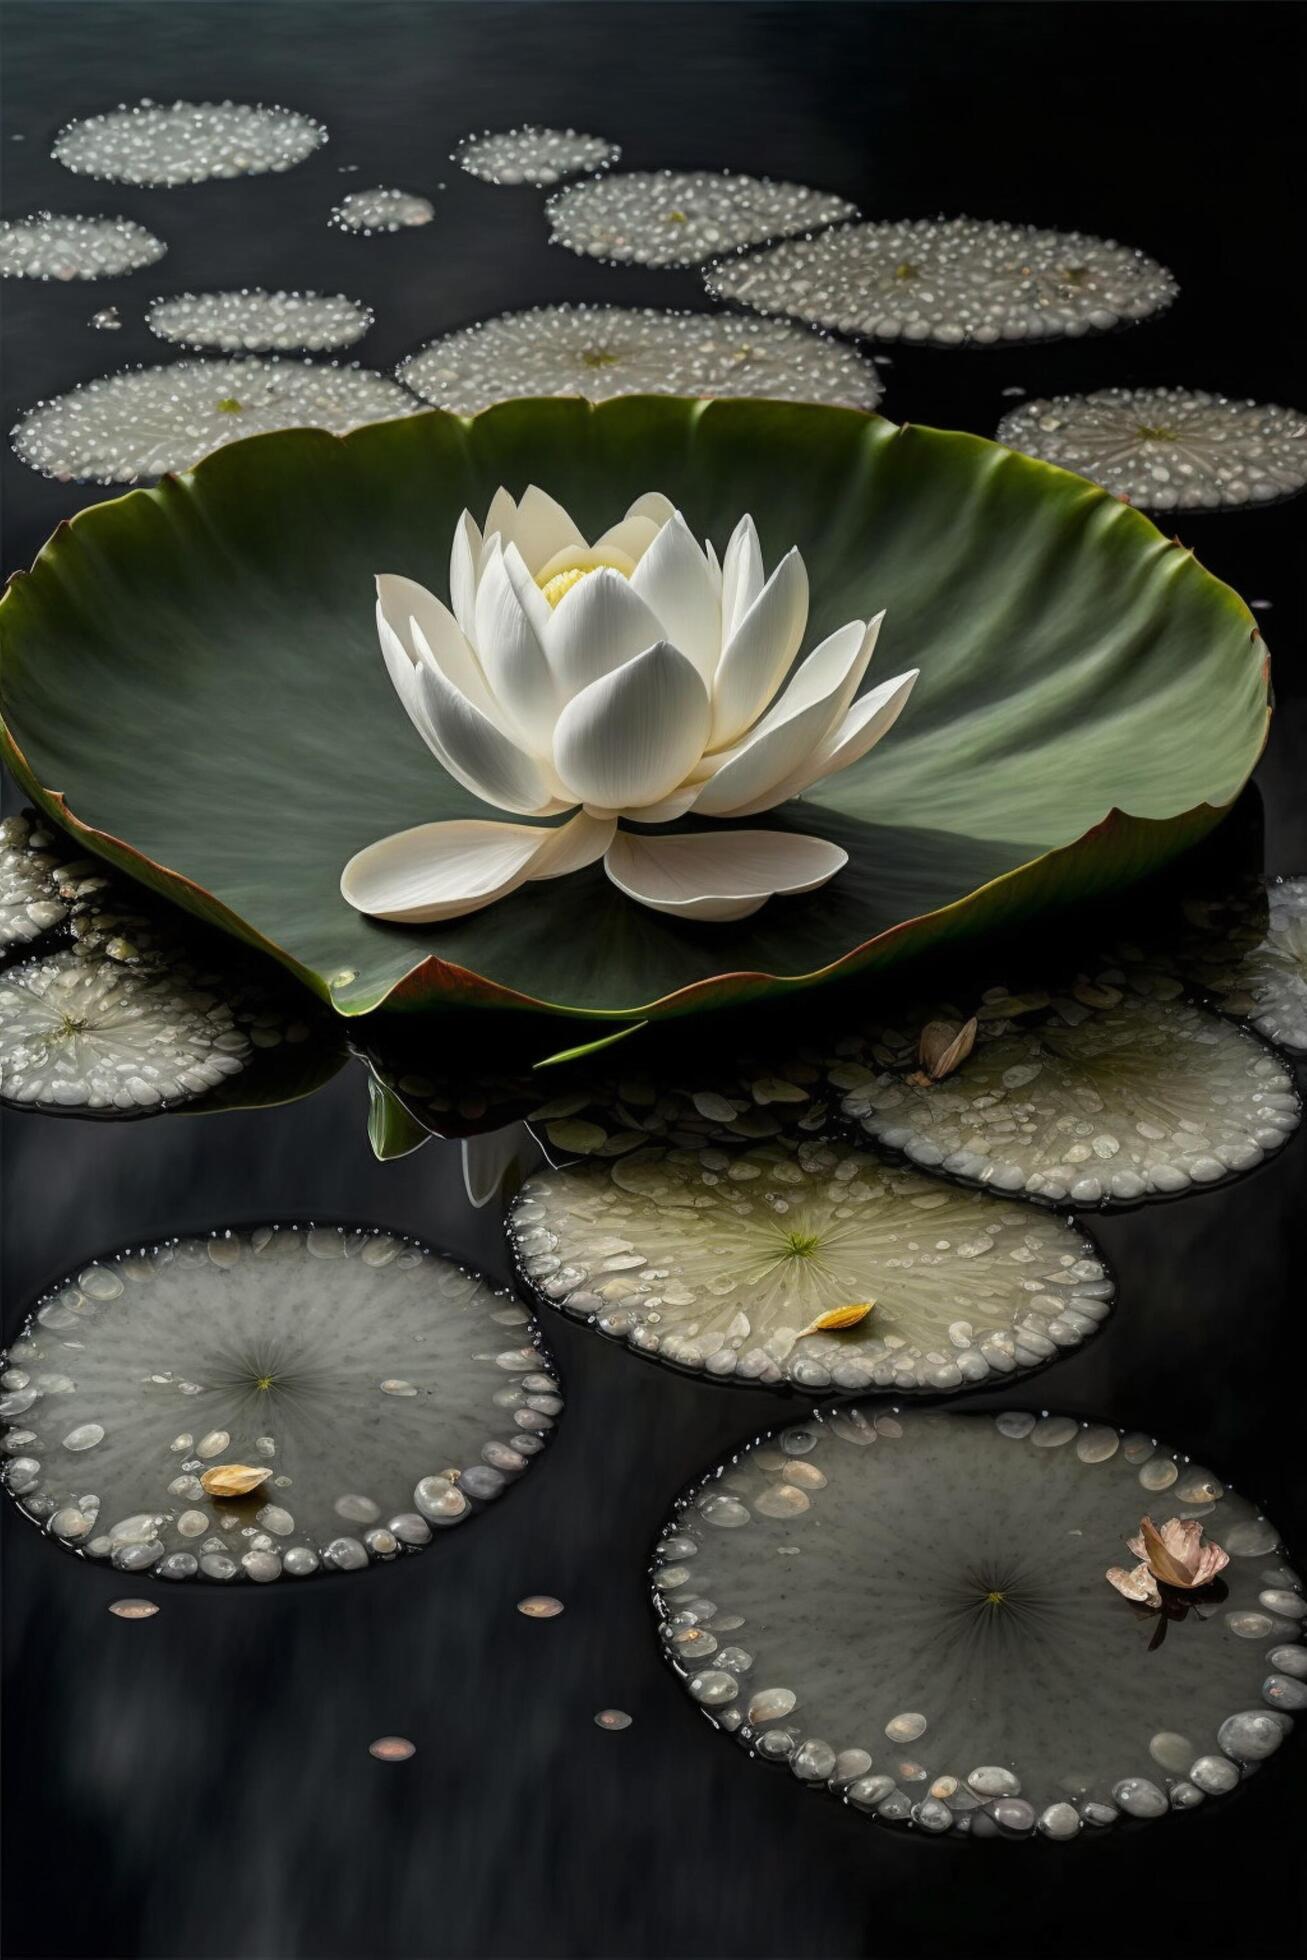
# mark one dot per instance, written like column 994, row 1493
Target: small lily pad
column 759, row 1266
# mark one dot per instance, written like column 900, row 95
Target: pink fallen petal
column 1164, row 1552
column 1138, row 1585
column 1211, row 1560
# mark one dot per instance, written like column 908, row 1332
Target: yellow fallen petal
column 837, row 1319
column 233, row 1479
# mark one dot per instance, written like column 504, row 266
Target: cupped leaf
column 191, row 684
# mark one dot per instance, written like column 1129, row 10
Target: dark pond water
column 200, row 1785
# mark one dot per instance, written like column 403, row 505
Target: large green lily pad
column 191, row 684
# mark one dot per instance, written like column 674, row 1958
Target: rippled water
column 200, row 1782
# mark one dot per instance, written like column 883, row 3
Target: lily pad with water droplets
column 909, row 1609
column 272, row 1403
column 759, row 1267
column 1091, row 700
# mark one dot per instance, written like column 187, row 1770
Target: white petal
column 673, row 577
column 464, row 566
column 633, row 536
column 753, row 775
column 476, row 753
column 445, row 870
column 597, row 626
column 541, row 528
column 440, row 870
column 501, row 520
column 629, row 738
column 573, row 845
column 718, row 875
column 742, row 574
column 532, row 600
column 426, row 629
column 398, row 658
column 668, row 808
column 757, row 656
column 513, row 659
column 861, row 728
column 654, row 506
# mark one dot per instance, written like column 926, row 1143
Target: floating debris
column 1095, row 1098
column 950, row 280
column 381, row 210
column 1168, row 448
column 80, row 1033
column 147, row 421
column 534, row 156
column 669, row 217
column 392, row 1749
column 598, row 352
column 46, row 246
column 612, row 1718
column 726, row 1265
column 186, row 142
column 949, row 1596
column 540, row 1606
column 133, row 1609
column 31, row 858
column 107, row 320
column 144, row 1381
column 252, row 320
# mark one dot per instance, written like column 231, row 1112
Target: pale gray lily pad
column 909, row 1608
column 600, row 352
column 252, row 320
column 31, row 857
column 682, row 217
column 50, row 246
column 186, row 142
column 1168, row 448
column 1246, row 949
column 82, row 1032
column 1092, row 1097
column 718, row 1263
column 531, row 155
column 116, row 1005
column 386, row 1393
column 147, row 422
column 945, row 281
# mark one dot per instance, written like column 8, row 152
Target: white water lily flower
column 636, row 677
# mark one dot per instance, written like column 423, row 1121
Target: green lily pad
column 191, row 684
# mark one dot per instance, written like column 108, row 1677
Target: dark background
column 200, row 1784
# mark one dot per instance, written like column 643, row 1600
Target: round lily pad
column 187, row 142
column 44, row 246
column 283, row 1401
column 534, row 156
column 1046, row 752
column 911, row 1610
column 145, row 421
column 603, row 351
column 1246, row 948
column 1168, row 448
column 112, row 1004
column 1097, row 1098
column 247, row 321
column 947, row 281
column 808, row 1268
column 675, row 217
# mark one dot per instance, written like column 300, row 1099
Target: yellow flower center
column 567, row 568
